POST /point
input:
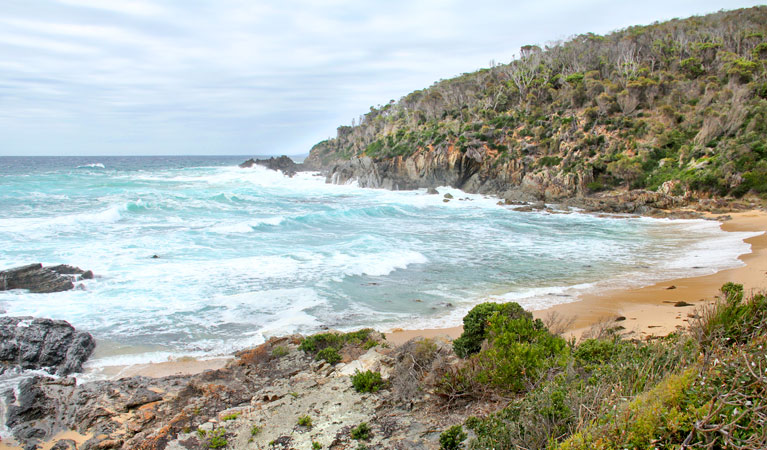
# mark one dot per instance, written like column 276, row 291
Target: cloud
column 196, row 76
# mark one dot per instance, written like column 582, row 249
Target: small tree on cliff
column 625, row 169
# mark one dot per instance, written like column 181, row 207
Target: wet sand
column 650, row 310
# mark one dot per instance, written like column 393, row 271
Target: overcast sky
column 103, row 77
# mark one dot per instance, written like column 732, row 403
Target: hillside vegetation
column 703, row 388
column 679, row 105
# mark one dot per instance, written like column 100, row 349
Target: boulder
column 39, row 279
column 53, row 345
column 282, row 164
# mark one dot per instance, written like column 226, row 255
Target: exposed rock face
column 53, row 345
column 261, row 387
column 282, row 164
column 39, row 279
column 479, row 171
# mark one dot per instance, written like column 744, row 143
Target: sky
column 255, row 77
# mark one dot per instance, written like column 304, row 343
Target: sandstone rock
column 53, row 345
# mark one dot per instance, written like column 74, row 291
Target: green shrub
column 279, row 351
column 231, row 416
column 452, row 438
column 361, row 432
column 520, row 349
column 692, row 66
column 329, row 354
column 549, row 161
column 316, row 445
column 596, row 351
column 475, row 325
column 217, row 438
column 255, row 430
column 305, row 421
column 317, row 342
column 367, row 381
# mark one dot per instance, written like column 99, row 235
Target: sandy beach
column 650, row 310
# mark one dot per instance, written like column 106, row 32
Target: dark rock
column 682, row 304
column 141, row 397
column 432, row 191
column 155, row 257
column 48, row 344
column 39, row 279
column 671, row 287
column 620, row 318
column 282, row 164
column 65, row 444
column 448, row 195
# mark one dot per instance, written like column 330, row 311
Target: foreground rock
column 52, row 345
column 254, row 402
column 39, row 279
column 282, row 164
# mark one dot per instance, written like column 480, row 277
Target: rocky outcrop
column 282, row 164
column 481, row 172
column 39, row 279
column 53, row 345
column 254, row 402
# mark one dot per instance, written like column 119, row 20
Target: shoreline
column 649, row 311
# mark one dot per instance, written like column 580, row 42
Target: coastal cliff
column 676, row 108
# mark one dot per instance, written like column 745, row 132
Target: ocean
column 244, row 254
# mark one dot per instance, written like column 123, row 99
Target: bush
column 320, row 342
column 280, row 351
column 520, row 349
column 305, row 421
column 317, row 342
column 367, row 381
column 217, row 438
column 361, row 432
column 475, row 325
column 452, row 438
column 329, row 354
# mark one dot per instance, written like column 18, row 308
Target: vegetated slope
column 704, row 388
column 679, row 105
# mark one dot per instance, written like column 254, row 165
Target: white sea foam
column 375, row 264
column 245, row 227
column 92, row 166
column 31, row 225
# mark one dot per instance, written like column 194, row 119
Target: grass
column 231, row 416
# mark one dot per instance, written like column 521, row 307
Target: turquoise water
column 248, row 253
